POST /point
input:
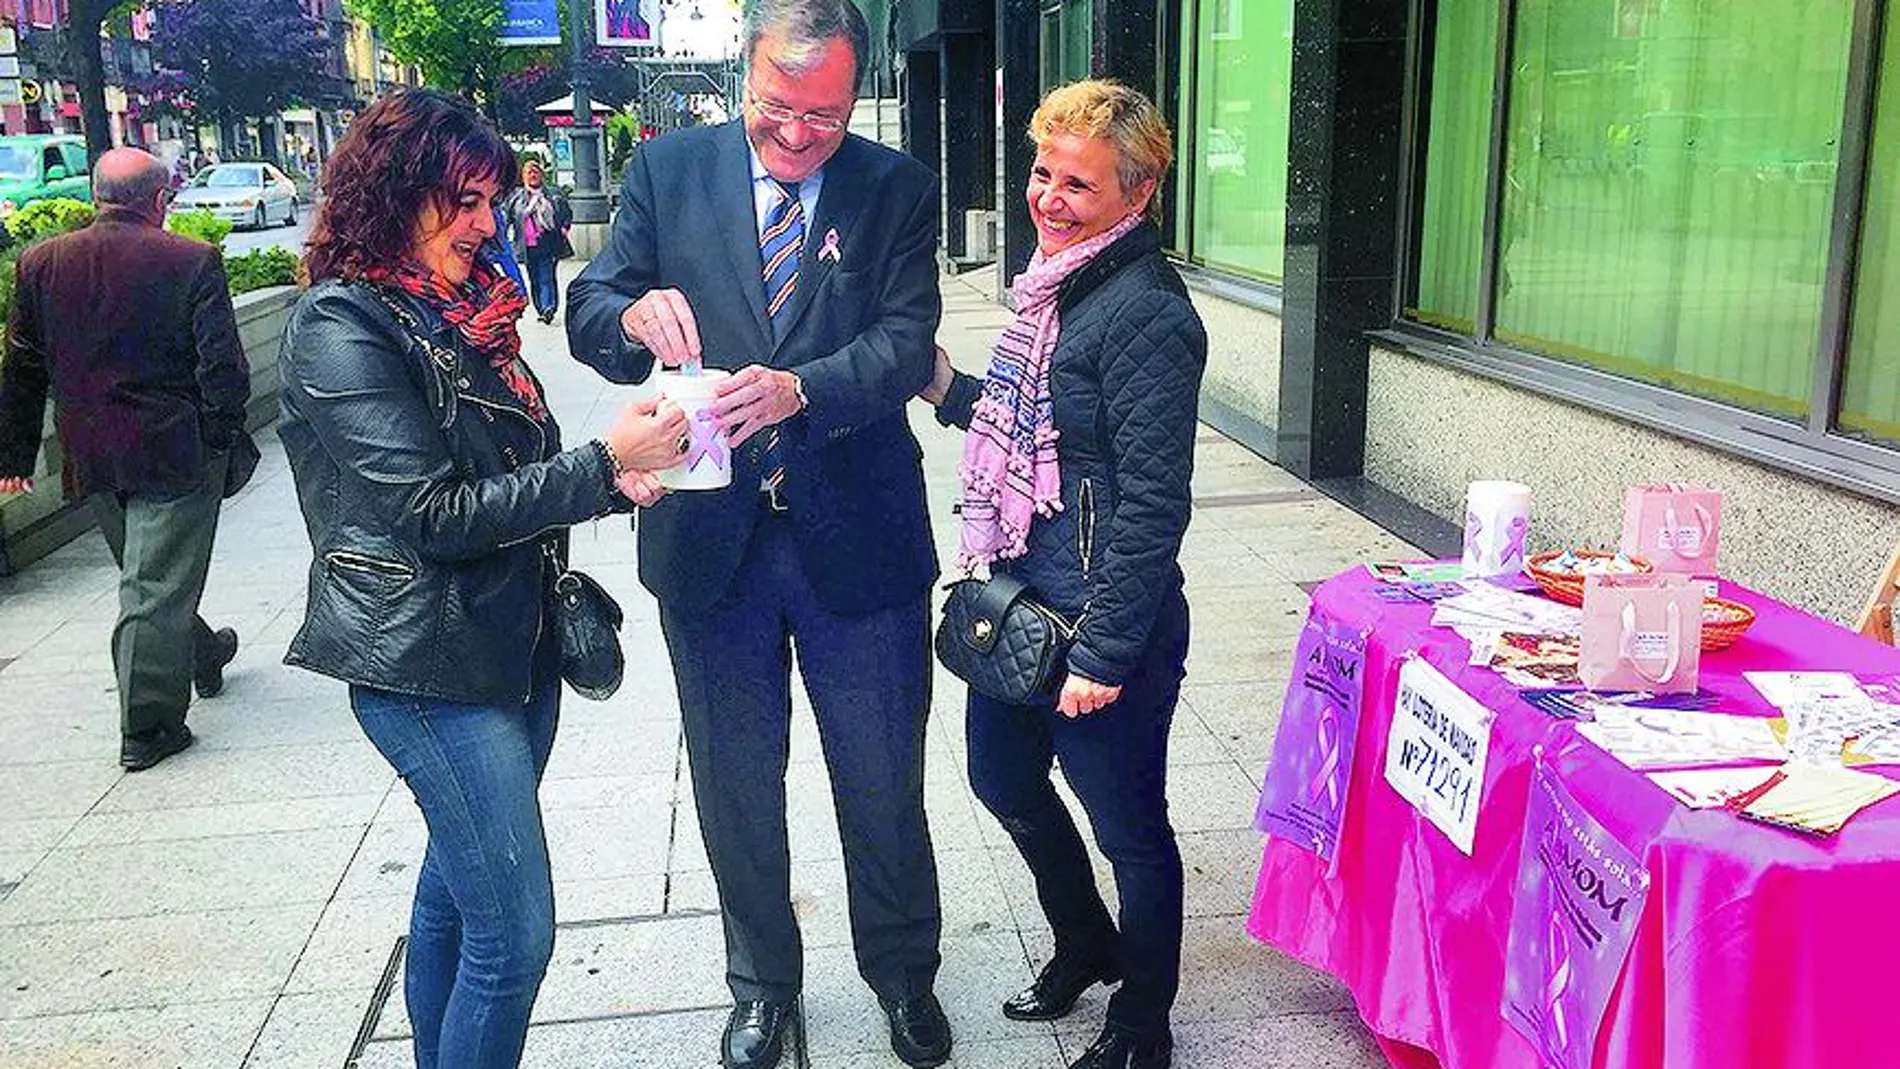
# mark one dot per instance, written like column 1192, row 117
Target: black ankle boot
column 1119, row 1050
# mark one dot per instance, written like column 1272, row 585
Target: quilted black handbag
column 587, row 625
column 1000, row 640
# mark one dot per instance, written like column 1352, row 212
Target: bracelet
column 615, row 469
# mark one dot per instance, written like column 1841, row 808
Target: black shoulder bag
column 999, row 639
column 586, row 618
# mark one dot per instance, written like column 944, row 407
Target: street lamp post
column 589, row 202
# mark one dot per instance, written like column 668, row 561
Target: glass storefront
column 1233, row 136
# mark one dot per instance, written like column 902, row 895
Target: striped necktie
column 781, row 246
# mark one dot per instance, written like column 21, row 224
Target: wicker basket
column 1723, row 622
column 1567, row 587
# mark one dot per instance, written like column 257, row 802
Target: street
column 289, row 237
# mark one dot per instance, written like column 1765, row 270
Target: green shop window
column 1234, row 152
column 1668, row 190
column 1870, row 392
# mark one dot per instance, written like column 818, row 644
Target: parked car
column 248, row 194
column 38, row 166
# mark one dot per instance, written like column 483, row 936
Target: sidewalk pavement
column 242, row 905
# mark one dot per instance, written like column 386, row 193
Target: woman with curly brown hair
column 437, row 496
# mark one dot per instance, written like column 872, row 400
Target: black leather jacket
column 429, row 495
column 1125, row 385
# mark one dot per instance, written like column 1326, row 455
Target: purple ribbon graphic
column 1557, row 981
column 706, row 444
column 1514, row 541
column 830, row 251
column 1326, row 776
column 1473, row 528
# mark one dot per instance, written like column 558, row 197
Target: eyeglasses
column 779, row 113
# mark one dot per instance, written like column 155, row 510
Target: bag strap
column 999, row 593
column 1672, row 627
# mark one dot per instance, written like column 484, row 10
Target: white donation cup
column 707, row 463
column 1497, row 528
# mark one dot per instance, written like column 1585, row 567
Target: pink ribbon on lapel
column 829, row 250
column 1326, row 777
column 706, row 444
column 1557, row 982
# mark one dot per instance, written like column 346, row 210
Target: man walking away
column 131, row 329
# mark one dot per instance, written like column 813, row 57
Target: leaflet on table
column 1433, row 572
column 1579, row 896
column 1677, row 738
column 1303, row 799
column 1436, row 749
column 1583, row 704
column 1817, row 799
column 1487, row 606
column 1711, row 788
column 1535, row 660
column 1782, row 688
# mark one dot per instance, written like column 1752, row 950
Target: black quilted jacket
column 1125, row 383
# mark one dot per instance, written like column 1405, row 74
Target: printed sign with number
column 1435, row 751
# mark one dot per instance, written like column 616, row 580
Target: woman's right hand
column 940, row 379
column 648, row 435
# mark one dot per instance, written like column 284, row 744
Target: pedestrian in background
column 1075, row 480
column 437, row 496
column 130, row 328
column 540, row 217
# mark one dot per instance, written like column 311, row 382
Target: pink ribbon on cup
column 1514, row 537
column 705, row 443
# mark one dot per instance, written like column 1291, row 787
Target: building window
column 1450, row 226
column 1668, row 194
column 1870, row 392
column 1068, row 29
column 1232, row 209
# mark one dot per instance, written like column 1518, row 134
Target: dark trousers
column 161, row 541
column 481, row 931
column 868, row 678
column 1116, row 760
column 542, row 284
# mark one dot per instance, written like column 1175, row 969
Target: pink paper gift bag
column 1674, row 526
column 1641, row 632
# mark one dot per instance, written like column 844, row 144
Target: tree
column 85, row 20
column 454, row 42
column 229, row 60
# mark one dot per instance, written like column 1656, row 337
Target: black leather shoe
column 139, row 754
column 755, row 1035
column 920, row 1034
column 208, row 667
column 1054, row 993
column 1119, row 1050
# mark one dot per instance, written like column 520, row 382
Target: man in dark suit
column 804, row 259
column 131, row 329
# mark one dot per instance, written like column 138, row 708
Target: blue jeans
column 1116, row 760
column 546, row 291
column 482, row 929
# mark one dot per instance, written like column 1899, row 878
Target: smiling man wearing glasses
column 802, row 259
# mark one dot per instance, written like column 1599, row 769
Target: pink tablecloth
column 1758, row 947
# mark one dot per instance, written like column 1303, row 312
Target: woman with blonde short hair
column 1075, row 480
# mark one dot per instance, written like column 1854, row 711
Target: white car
column 254, row 195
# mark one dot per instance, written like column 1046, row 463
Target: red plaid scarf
column 484, row 311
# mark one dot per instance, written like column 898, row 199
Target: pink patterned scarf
column 1009, row 473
